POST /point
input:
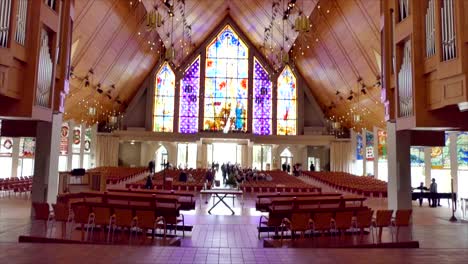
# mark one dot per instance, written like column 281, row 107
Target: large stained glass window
column 261, row 100
column 462, row 150
column 188, row 109
column 163, row 114
column 286, row 107
column 226, row 83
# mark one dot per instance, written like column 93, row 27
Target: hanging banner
column 382, row 144
column 64, row 139
column 369, row 146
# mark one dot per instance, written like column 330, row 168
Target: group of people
column 433, row 200
column 296, row 169
column 240, row 174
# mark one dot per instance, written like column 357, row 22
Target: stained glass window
column 261, row 100
column 286, row 107
column 226, row 83
column 189, row 88
column 417, row 156
column 462, row 150
column 163, row 114
column 440, row 156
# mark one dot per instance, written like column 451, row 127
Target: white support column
column 250, row 154
column 427, row 166
column 376, row 153
column 399, row 170
column 82, row 145
column 453, row 160
column 15, row 157
column 45, row 180
column 352, row 134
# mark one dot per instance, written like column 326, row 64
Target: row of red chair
column 198, row 175
column 362, row 185
column 20, row 185
column 281, row 182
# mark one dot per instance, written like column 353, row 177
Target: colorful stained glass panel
column 163, row 114
column 462, row 150
column 261, row 101
column 359, row 146
column 189, row 98
column 226, row 83
column 286, row 103
column 369, row 146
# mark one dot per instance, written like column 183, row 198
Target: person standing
column 284, row 166
column 312, row 167
column 149, row 183
column 433, row 191
column 151, row 166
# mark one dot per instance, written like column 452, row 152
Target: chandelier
column 153, row 20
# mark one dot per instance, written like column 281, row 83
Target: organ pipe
column 448, row 30
column 430, row 28
column 5, row 12
column 44, row 80
column 21, row 21
column 405, row 83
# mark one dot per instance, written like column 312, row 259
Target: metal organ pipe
column 405, row 83
column 448, row 30
column 404, row 9
column 430, row 29
column 44, row 80
column 5, row 10
column 21, row 21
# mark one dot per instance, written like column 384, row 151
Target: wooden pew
column 264, row 200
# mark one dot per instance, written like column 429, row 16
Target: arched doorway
column 286, row 160
column 161, row 158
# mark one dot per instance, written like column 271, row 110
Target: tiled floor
column 222, row 238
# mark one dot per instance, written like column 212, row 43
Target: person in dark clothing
column 224, row 172
column 149, row 183
column 284, row 166
column 151, row 166
column 312, row 167
column 183, row 176
column 422, row 188
column 433, row 191
column 288, row 168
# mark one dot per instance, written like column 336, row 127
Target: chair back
column 322, row 221
column 403, row 217
column 61, row 212
column 41, row 211
column 101, row 215
column 364, row 218
column 343, row 220
column 383, row 218
column 81, row 214
column 145, row 219
column 123, row 217
column 300, row 221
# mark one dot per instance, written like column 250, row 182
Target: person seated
column 190, row 178
column 422, row 188
column 268, row 177
column 183, row 176
column 149, row 183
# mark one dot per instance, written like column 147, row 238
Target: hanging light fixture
column 153, row 20
column 170, row 51
column 302, row 23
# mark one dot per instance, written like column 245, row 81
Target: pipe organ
column 35, row 41
column 425, row 62
column 21, row 13
column 5, row 14
column 430, row 28
column 405, row 80
column 448, row 30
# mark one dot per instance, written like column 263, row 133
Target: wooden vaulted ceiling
column 110, row 38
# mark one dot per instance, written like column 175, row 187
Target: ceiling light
column 350, row 97
column 337, row 93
